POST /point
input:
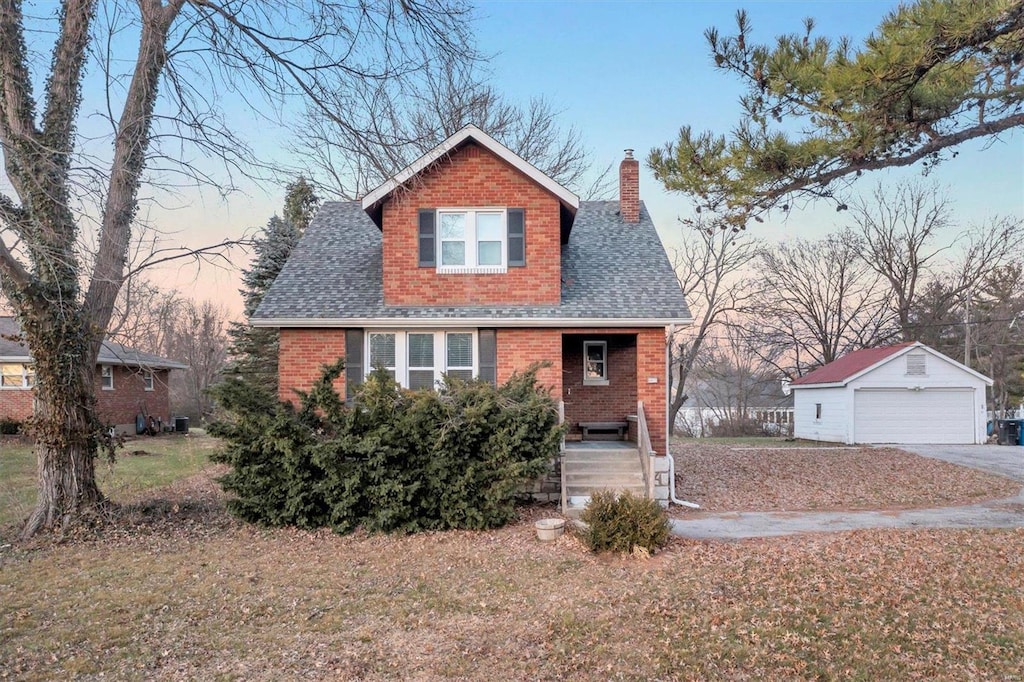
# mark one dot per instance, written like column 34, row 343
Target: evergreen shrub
column 392, row 461
column 622, row 523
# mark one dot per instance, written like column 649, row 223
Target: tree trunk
column 66, row 431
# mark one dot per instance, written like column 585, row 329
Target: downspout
column 668, row 427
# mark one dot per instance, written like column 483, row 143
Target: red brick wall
column 591, row 403
column 472, row 177
column 129, row 397
column 519, row 348
column 15, row 403
column 650, row 354
column 117, row 407
column 304, row 352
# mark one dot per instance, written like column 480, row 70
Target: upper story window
column 14, row 375
column 472, row 240
column 107, row 377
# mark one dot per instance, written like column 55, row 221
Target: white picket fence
column 698, row 421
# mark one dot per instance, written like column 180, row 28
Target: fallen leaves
column 722, row 478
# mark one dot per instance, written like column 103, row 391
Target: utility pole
column 967, row 331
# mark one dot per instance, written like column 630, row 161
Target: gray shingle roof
column 610, row 271
column 111, row 353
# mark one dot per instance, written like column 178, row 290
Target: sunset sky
column 625, row 75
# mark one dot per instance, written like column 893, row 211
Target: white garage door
column 901, row 416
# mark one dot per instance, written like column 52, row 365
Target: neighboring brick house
column 471, row 262
column 128, row 382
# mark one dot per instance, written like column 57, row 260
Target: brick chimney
column 629, row 188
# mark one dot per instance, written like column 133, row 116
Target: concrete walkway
column 997, row 459
column 1006, row 513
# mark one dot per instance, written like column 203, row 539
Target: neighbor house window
column 147, row 379
column 420, row 359
column 595, row 363
column 107, row 377
column 916, row 365
column 472, row 240
column 817, row 410
column 17, row 376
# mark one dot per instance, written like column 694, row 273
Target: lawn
column 787, row 476
column 174, row 588
column 178, row 590
column 142, row 464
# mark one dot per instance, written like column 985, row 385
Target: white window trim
column 148, row 380
column 472, row 253
column 818, row 411
column 106, row 368
column 440, row 352
column 603, row 381
column 25, row 385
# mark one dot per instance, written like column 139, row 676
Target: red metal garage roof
column 850, row 364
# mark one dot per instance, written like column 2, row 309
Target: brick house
column 472, row 262
column 128, row 382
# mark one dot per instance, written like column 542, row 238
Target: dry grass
column 177, row 590
column 728, row 478
column 143, row 463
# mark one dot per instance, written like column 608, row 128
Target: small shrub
column 623, row 523
column 9, row 427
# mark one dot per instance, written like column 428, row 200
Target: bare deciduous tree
column 817, row 300
column 906, row 240
column 403, row 123
column 709, row 266
column 162, row 105
column 197, row 337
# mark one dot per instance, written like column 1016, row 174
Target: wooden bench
column 604, row 429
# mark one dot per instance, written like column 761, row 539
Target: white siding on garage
column 898, row 415
column 834, row 422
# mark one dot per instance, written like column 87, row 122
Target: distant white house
column 908, row 393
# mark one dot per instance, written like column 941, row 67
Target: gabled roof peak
column 372, row 201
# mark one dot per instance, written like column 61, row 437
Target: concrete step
column 603, row 479
column 580, row 460
column 586, row 453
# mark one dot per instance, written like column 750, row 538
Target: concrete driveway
column 1002, row 460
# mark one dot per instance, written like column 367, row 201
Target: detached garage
column 908, row 393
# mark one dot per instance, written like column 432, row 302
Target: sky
column 626, row 75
